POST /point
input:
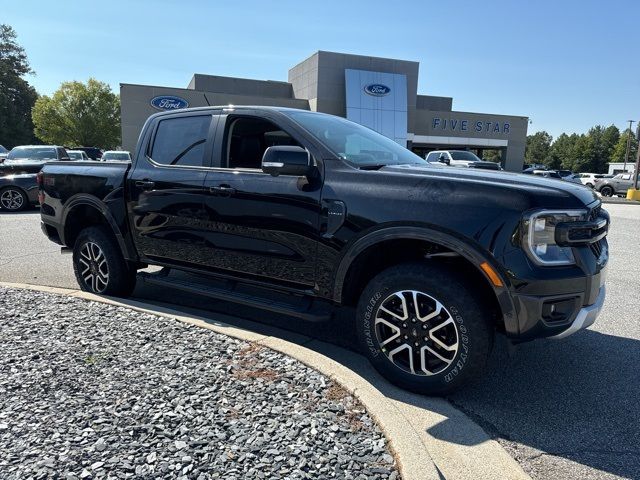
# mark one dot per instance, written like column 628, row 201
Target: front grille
column 595, row 213
column 596, row 248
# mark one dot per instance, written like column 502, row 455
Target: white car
column 589, row 179
column 3, row 153
column 116, row 156
column 78, row 155
column 460, row 158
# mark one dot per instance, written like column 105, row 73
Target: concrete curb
column 430, row 438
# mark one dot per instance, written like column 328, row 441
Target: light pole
column 626, row 157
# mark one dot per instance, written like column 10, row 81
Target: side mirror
column 286, row 160
column 444, row 159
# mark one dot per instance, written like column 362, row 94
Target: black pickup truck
column 301, row 213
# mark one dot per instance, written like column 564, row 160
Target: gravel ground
column 88, row 390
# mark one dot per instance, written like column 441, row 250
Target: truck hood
column 500, row 178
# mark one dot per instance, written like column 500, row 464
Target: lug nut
column 406, row 337
column 417, row 344
column 426, row 339
column 424, row 327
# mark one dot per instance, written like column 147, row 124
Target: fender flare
column 451, row 242
column 83, row 199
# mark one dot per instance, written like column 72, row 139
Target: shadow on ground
column 575, row 399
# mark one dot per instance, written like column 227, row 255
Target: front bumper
column 586, row 316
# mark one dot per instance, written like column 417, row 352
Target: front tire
column 13, row 199
column 606, row 191
column 99, row 265
column 423, row 329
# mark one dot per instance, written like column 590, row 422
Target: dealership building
column 380, row 93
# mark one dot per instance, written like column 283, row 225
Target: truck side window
column 181, row 141
column 248, row 138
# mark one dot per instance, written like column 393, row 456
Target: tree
column 17, row 97
column 562, row 153
column 79, row 114
column 538, row 148
column 620, row 149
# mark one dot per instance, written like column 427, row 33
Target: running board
column 305, row 308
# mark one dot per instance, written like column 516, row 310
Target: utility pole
column 626, row 157
column 635, row 174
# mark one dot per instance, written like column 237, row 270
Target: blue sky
column 567, row 65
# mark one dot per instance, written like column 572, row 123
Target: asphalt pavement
column 564, row 409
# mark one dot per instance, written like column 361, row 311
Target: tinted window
column 181, row 141
column 75, row 155
column 116, row 156
column 433, row 157
column 468, row 156
column 33, row 153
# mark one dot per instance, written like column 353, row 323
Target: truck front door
column 258, row 226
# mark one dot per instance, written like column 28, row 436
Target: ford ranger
column 300, row 213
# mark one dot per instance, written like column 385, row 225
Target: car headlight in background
column 540, row 236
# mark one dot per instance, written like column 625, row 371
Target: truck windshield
column 22, row 153
column 462, row 155
column 354, row 143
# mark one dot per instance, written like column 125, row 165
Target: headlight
column 540, row 236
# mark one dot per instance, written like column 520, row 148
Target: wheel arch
column 375, row 241
column 90, row 211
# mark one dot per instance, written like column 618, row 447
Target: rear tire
column 99, row 265
column 606, row 191
column 13, row 199
column 423, row 329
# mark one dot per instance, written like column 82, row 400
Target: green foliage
column 588, row 152
column 619, row 150
column 491, row 155
column 79, row 114
column 538, row 148
column 17, row 97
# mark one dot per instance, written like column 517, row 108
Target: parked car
column 534, row 166
column 300, row 212
column 618, row 185
column 116, row 156
column 569, row 176
column 78, row 155
column 589, row 179
column 3, row 153
column 18, row 192
column 460, row 158
column 543, row 173
column 31, row 158
column 94, row 153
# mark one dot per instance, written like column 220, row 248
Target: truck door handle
column 145, row 184
column 223, row 189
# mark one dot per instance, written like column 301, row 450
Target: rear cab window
column 181, row 141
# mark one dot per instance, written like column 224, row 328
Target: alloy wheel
column 95, row 270
column 416, row 332
column 11, row 199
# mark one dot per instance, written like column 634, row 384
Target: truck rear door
column 166, row 188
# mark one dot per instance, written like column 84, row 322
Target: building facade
column 380, row 93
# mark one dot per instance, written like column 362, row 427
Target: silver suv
column 617, row 185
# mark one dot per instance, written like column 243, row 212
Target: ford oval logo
column 377, row 89
column 168, row 102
